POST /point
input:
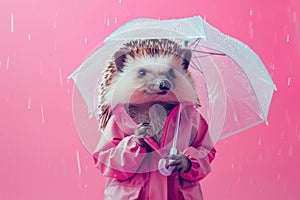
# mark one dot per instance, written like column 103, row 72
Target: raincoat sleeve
column 201, row 153
column 117, row 154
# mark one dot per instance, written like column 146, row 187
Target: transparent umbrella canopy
column 232, row 83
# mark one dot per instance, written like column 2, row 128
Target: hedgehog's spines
column 150, row 47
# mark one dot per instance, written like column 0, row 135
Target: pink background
column 42, row 42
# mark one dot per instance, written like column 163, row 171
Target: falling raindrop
column 273, row 67
column 41, row 68
column 64, row 171
column 85, row 40
column 279, row 152
column 78, row 162
column 251, row 12
column 116, row 20
column 282, row 134
column 289, row 81
column 259, row 141
column 54, row 24
column 288, row 118
column 120, row 1
column 29, row 36
column 60, row 77
column 0, row 64
column 251, row 30
column 42, row 113
column 260, row 156
column 8, row 97
column 108, row 22
column 278, row 177
column 291, row 150
column 68, row 81
column 7, row 62
column 287, row 37
column 57, row 12
column 285, row 187
column 12, row 22
column 29, row 103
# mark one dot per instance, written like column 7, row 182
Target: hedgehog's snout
column 165, row 85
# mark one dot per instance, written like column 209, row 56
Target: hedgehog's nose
column 165, row 85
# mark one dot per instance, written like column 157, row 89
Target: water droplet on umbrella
column 267, row 123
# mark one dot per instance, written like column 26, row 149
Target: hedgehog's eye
column 142, row 73
column 171, row 74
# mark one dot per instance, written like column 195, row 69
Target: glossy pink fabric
column 125, row 163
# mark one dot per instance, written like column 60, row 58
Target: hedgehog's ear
column 120, row 58
column 186, row 55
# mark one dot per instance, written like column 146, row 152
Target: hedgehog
column 143, row 73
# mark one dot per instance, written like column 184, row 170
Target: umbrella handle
column 162, row 164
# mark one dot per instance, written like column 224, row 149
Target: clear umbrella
column 231, row 82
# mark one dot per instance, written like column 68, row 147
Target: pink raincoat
column 132, row 170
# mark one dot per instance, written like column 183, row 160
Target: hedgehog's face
column 145, row 78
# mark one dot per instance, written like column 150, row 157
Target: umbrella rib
column 210, row 53
column 197, row 40
column 196, row 67
column 198, row 62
